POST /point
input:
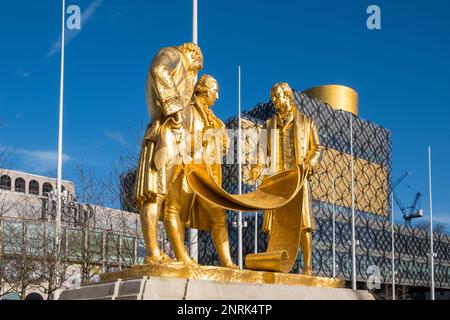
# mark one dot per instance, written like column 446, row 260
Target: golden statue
column 293, row 141
column 161, row 190
column 182, row 207
column 201, row 123
column 179, row 178
column 169, row 89
column 294, row 152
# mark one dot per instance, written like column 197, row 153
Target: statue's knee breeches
column 171, row 211
column 218, row 217
column 173, row 201
column 149, row 216
column 153, row 203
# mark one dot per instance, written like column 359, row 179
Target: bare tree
column 34, row 257
column 30, row 258
column 12, row 240
column 55, row 268
column 22, row 256
column 2, row 211
column 90, row 194
column 119, row 184
column 123, row 237
column 5, row 206
column 86, row 245
column 402, row 292
column 384, row 293
column 89, row 186
column 92, row 254
column 108, row 236
column 118, row 188
column 438, row 227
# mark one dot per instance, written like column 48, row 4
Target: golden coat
column 198, row 213
column 307, row 149
column 169, row 89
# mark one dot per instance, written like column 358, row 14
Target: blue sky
column 401, row 72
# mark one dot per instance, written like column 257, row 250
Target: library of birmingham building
column 98, row 239
column 335, row 108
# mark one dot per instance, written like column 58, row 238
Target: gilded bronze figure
column 293, row 140
column 169, row 89
column 208, row 141
column 181, row 207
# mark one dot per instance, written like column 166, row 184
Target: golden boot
column 219, row 236
column 306, row 244
column 175, row 231
column 149, row 217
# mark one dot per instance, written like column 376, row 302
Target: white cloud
column 72, row 34
column 22, row 74
column 441, row 218
column 39, row 162
column 116, row 136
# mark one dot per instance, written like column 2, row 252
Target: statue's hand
column 308, row 167
column 176, row 121
column 255, row 172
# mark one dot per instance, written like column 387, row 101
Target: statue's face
column 281, row 101
column 195, row 61
column 212, row 94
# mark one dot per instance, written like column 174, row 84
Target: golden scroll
column 280, row 193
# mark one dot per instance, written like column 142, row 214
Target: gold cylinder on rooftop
column 337, row 96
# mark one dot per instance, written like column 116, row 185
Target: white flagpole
column 353, row 207
column 333, row 219
column 431, row 226
column 60, row 139
column 240, row 262
column 193, row 234
column 195, row 21
column 393, row 246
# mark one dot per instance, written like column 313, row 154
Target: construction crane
column 415, row 210
column 412, row 211
column 402, row 177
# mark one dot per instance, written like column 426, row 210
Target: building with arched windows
column 94, row 239
column 21, row 182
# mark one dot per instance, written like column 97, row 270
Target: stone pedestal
column 177, row 281
column 173, row 288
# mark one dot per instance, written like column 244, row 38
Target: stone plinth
column 175, row 281
column 161, row 288
column 198, row 272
